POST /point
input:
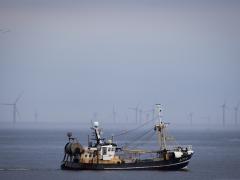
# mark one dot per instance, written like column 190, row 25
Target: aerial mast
column 160, row 128
column 97, row 135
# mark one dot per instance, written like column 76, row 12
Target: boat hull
column 173, row 164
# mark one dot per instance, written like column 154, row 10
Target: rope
column 131, row 130
column 147, row 140
column 138, row 137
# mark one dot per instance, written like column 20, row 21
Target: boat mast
column 96, row 130
column 160, row 128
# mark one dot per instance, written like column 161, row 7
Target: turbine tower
column 14, row 106
column 140, row 115
column 223, row 113
column 136, row 109
column 236, row 113
column 114, row 114
column 191, row 118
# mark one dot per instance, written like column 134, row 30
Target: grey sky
column 74, row 58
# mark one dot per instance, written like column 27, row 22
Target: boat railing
column 179, row 147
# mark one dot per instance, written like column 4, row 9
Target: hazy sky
column 74, row 58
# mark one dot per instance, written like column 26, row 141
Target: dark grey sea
column 36, row 154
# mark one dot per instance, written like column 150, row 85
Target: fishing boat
column 107, row 155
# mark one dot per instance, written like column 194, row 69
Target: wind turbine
column 191, row 118
column 136, row 109
column 140, row 115
column 152, row 111
column 14, row 106
column 223, row 106
column 114, row 114
column 126, row 117
column 236, row 113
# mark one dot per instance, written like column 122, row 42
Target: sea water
column 36, row 154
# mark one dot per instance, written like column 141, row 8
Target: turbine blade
column 238, row 105
column 6, row 104
column 20, row 95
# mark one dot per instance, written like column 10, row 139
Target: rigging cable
column 146, row 140
column 138, row 137
column 131, row 130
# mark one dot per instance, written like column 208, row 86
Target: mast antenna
column 160, row 128
column 159, row 110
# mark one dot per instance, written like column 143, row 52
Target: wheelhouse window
column 104, row 149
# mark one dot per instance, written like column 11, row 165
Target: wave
column 14, row 169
